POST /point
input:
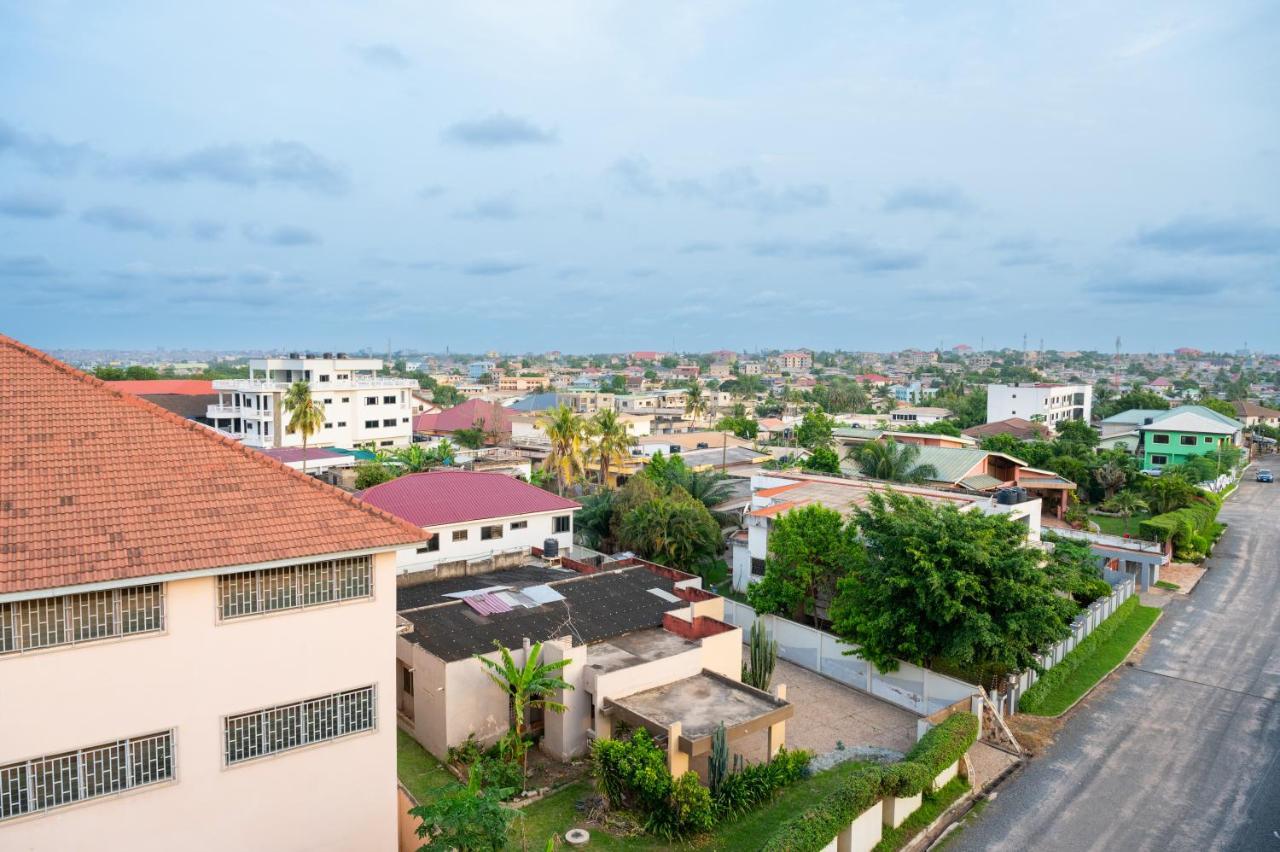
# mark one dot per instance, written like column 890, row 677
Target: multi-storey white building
column 362, row 409
column 186, row 627
column 1039, row 402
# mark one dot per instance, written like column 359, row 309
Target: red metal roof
column 441, row 497
column 465, row 416
column 98, row 485
column 145, row 387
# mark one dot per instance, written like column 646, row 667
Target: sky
column 604, row 176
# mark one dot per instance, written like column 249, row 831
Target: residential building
column 476, row 369
column 362, row 409
column 1018, row 427
column 793, row 361
column 751, row 368
column 646, row 647
column 186, row 627
column 917, row 415
column 189, row 398
column 1174, row 436
column 471, row 515
column 490, row 417
column 1251, row 414
column 773, row 495
column 522, row 384
column 1039, row 402
column 912, row 393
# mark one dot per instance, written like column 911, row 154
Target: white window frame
column 57, row 622
column 305, row 585
column 247, row 737
column 39, row 784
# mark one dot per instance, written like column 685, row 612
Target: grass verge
column 551, row 816
column 931, row 807
column 1095, row 657
column 1166, row 585
column 420, row 773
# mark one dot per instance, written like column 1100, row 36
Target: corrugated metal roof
column 980, row 482
column 953, row 463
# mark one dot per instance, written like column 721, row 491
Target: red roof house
column 489, row 416
column 443, row 497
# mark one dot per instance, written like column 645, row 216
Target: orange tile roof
column 777, row 489
column 144, row 387
column 776, row 509
column 99, row 485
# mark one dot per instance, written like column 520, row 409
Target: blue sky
column 602, row 176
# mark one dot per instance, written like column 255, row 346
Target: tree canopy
column 815, row 430
column 938, row 584
column 810, row 548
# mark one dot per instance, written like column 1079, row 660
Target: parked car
column 1264, row 475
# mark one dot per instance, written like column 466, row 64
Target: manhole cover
column 577, row 837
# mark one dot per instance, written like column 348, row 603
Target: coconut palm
column 611, row 441
column 306, row 415
column 528, row 685
column 892, row 461
column 695, row 401
column 1126, row 504
column 567, row 433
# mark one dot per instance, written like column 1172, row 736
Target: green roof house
column 1174, row 436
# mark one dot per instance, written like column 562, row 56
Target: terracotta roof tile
column 99, row 485
column 146, row 387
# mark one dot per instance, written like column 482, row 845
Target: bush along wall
column 633, row 775
column 941, row 746
column 1032, row 701
column 1192, row 529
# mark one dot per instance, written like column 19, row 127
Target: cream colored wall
column 566, row 733
column 624, row 682
column 722, row 653
column 430, row 714
column 475, row 703
column 339, row 795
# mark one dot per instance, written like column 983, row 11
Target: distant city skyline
column 608, row 176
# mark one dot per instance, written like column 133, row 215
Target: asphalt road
column 1181, row 752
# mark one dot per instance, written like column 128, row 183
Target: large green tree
column 939, row 584
column 810, row 548
column 673, row 529
column 815, row 430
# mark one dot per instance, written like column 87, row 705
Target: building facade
column 1039, row 402
column 362, row 409
column 163, row 654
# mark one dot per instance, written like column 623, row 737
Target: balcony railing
column 358, row 383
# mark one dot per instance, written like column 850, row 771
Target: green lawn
column 1116, row 526
column 931, row 807
column 1092, row 659
column 419, row 772
column 556, row 813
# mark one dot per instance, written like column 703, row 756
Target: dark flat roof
column 434, row 591
column 595, row 607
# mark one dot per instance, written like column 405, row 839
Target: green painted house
column 1174, row 436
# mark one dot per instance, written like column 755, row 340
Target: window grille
column 289, row 726
column 42, row 783
column 84, row 617
column 294, row 586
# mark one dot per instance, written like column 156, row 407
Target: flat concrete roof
column 632, row 649
column 700, row 703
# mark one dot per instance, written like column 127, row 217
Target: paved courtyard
column 827, row 712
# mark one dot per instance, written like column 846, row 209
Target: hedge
column 945, row 743
column 1192, row 529
column 1031, row 700
column 941, row 746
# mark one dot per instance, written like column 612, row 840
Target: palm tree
column 567, row 433
column 1126, row 504
column 889, row 460
column 695, row 402
column 528, row 686
column 611, row 441
column 307, row 415
column 441, row 455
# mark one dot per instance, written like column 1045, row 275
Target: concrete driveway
column 1181, row 752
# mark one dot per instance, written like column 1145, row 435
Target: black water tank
column 703, row 445
column 551, row 548
column 1011, row 496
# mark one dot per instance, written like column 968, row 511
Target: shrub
column 691, row 810
column 496, row 773
column 633, row 772
column 945, row 743
column 758, row 783
column 467, row 753
column 812, row 829
column 906, row 779
column 1192, row 529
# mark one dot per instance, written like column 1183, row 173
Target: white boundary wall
column 1084, row 624
column 917, row 689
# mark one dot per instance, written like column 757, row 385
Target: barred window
column 294, row 586
column 41, row 783
column 86, row 617
column 290, row 726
